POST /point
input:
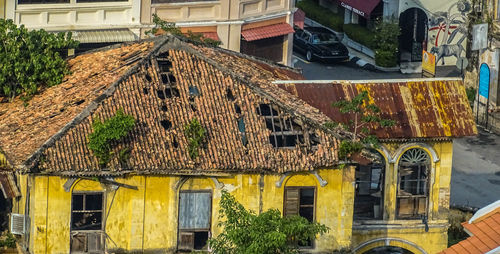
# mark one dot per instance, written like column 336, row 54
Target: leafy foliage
column 364, row 113
column 195, row 134
column 322, row 15
column 170, row 27
column 111, row 130
column 386, row 43
column 360, row 34
column 471, row 94
column 266, row 233
column 30, row 60
column 8, row 241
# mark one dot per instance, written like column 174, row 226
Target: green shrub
column 385, row 58
column 322, row 15
column 360, row 34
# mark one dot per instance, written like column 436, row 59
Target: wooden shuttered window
column 291, row 201
column 300, row 201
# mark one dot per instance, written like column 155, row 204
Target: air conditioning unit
column 17, row 224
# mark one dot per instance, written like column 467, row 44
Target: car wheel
column 309, row 56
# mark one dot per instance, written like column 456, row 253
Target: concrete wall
column 146, row 219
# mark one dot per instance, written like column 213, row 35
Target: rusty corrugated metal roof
column 425, row 108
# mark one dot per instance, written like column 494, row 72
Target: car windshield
column 323, row 38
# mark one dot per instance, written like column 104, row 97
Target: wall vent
column 17, row 223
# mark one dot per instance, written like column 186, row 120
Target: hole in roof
column 174, row 143
column 192, row 104
column 237, row 108
column 242, row 129
column 160, row 94
column 193, row 107
column 164, row 66
column 163, row 108
column 172, row 92
column 167, row 78
column 193, row 91
column 163, row 54
column 148, row 77
column 79, row 102
column 266, row 110
column 145, row 90
column 166, row 124
column 229, row 94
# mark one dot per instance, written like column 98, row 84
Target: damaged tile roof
column 422, row 108
column 164, row 84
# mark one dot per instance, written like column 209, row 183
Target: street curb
column 368, row 66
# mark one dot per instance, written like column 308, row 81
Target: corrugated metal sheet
column 263, row 32
column 421, row 109
column 102, row 36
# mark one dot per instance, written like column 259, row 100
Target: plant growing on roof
column 169, row 27
column 195, row 135
column 364, row 113
column 105, row 133
column 30, row 60
column 267, row 232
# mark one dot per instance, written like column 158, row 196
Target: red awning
column 263, row 32
column 361, row 7
column 298, row 18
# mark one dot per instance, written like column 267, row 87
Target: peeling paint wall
column 412, row 231
column 146, row 219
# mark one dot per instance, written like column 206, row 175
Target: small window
column 300, row 201
column 285, row 132
column 86, row 211
column 167, row 78
column 413, row 184
column 194, row 219
column 369, row 197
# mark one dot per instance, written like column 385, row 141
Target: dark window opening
column 172, row 92
column 285, row 132
column 163, row 108
column 194, row 219
column 86, row 211
column 229, row 94
column 369, row 195
column 145, row 90
column 148, row 77
column 413, row 184
column 237, row 109
column 161, row 94
column 174, row 142
column 164, row 65
column 242, row 129
column 300, row 201
column 193, row 91
column 166, row 124
column 167, row 78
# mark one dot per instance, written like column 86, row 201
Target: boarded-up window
column 413, row 182
column 194, row 219
column 300, row 201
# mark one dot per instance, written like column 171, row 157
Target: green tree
column 265, row 233
column 170, row 27
column 30, row 60
column 386, row 41
column 364, row 113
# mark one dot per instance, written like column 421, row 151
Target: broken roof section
column 484, row 231
column 422, row 108
column 164, row 84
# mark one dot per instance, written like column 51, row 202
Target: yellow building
column 262, row 144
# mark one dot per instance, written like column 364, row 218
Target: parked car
column 318, row 43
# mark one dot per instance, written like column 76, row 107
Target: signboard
column 361, row 13
column 484, row 81
column 428, row 64
column 479, row 36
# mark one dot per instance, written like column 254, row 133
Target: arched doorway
column 388, row 250
column 413, row 24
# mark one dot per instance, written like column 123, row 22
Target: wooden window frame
column 427, row 166
column 180, row 231
column 313, row 242
column 381, row 183
column 100, row 232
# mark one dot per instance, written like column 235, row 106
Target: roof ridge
column 25, row 166
column 338, row 133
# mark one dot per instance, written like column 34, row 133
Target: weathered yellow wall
column 413, row 230
column 146, row 219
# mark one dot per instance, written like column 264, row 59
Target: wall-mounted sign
column 428, row 64
column 361, row 13
column 484, row 81
column 479, row 36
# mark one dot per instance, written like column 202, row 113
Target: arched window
column 413, row 184
column 369, row 198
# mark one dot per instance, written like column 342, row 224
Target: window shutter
column 194, row 210
column 94, row 243
column 186, row 240
column 78, row 242
column 291, row 201
column 17, row 223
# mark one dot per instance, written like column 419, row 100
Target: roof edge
column 363, row 81
column 484, row 211
column 28, row 163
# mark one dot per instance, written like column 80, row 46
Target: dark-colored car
column 318, row 43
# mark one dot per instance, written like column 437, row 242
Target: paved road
column 475, row 178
